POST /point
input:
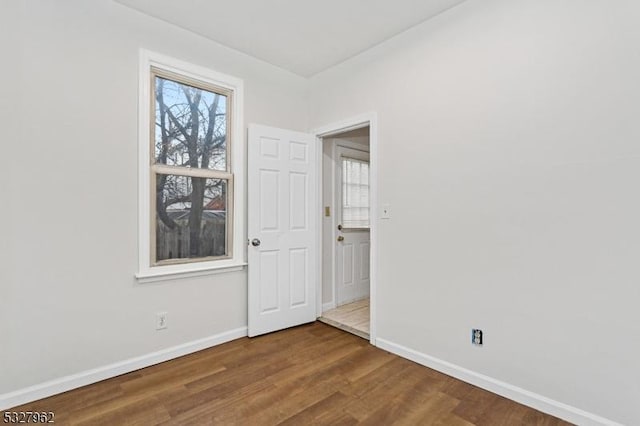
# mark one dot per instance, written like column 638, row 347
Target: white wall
column 509, row 152
column 8, row 116
column 70, row 301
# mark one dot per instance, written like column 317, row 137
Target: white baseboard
column 525, row 397
column 333, row 305
column 63, row 384
column 328, row 306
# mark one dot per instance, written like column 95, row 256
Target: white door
column 282, row 200
column 353, row 244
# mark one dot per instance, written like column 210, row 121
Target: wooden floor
column 352, row 317
column 312, row 374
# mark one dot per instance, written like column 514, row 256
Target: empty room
column 341, row 212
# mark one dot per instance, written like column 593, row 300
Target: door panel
column 269, row 200
column 299, row 200
column 298, row 280
column 365, row 250
column 282, row 180
column 347, row 264
column 269, row 279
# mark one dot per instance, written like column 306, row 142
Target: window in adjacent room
column 355, row 193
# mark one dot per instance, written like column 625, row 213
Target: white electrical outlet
column 161, row 320
column 385, row 211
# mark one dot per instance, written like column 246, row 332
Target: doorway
column 285, row 225
column 346, row 231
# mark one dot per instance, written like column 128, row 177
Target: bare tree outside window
column 191, row 170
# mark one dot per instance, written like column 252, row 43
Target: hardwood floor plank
column 142, row 412
column 328, row 411
column 224, row 392
column 364, row 362
column 230, row 406
column 474, row 402
column 308, row 375
column 376, row 385
column 308, row 362
column 452, row 420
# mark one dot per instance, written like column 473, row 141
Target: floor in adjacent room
column 352, row 317
column 311, row 374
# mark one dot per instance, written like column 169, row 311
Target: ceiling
column 302, row 36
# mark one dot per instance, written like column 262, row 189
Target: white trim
column 150, row 59
column 334, row 221
column 165, row 276
column 514, row 393
column 319, row 228
column 353, row 123
column 63, row 384
column 363, row 120
column 373, row 226
column 351, row 145
column 332, row 205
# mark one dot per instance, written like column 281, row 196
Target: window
column 191, row 168
column 355, row 193
column 190, row 211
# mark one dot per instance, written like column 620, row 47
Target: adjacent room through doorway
column 346, row 243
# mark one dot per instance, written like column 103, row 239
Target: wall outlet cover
column 161, row 320
column 385, row 211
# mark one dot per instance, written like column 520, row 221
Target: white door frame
column 368, row 119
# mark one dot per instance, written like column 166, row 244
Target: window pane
column 190, row 126
column 355, row 193
column 191, row 217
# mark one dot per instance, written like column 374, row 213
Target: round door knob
column 255, row 242
column 340, row 238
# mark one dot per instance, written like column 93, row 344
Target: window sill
column 154, row 276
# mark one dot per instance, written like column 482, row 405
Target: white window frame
column 236, row 259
